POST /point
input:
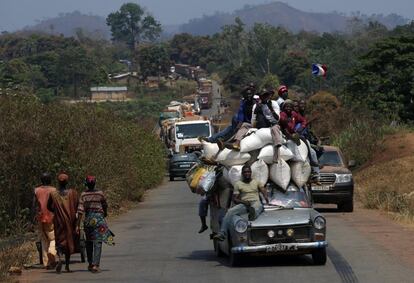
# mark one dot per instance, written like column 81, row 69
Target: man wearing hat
column 64, row 204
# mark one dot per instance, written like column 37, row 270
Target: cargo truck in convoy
column 205, row 91
column 186, row 131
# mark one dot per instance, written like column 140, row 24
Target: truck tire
column 171, row 178
column 217, row 250
column 347, row 206
column 319, row 256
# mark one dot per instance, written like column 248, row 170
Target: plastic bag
column 206, row 182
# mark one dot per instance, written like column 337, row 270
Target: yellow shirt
column 248, row 192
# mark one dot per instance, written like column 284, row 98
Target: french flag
column 319, row 70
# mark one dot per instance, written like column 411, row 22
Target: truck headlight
column 343, row 178
column 319, row 223
column 241, row 226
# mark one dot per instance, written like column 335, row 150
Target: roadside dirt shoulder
column 394, row 237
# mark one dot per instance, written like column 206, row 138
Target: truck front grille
column 258, row 236
column 327, row 178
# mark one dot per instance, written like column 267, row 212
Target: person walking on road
column 93, row 209
column 64, row 203
column 247, row 200
column 44, row 220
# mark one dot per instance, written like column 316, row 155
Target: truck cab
column 186, row 133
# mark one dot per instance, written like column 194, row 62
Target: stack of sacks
column 256, row 149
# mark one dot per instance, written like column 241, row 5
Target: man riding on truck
column 246, row 199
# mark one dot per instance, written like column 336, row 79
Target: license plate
column 281, row 248
column 185, row 166
column 321, row 188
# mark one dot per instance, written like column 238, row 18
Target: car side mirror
column 351, row 163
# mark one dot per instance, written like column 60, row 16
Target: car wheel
column 217, row 250
column 319, row 256
column 347, row 206
column 171, row 178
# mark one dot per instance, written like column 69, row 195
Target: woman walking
column 93, row 209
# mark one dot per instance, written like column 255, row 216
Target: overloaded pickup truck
column 336, row 182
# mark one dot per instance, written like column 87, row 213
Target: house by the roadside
column 124, row 78
column 152, row 82
column 111, row 93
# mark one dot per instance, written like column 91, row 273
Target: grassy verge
column 21, row 254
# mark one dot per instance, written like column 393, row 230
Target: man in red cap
column 282, row 91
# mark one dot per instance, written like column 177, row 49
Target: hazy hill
column 277, row 14
column 68, row 24
column 281, row 14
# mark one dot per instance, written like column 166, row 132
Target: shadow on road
column 251, row 261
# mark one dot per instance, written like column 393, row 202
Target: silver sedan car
column 289, row 225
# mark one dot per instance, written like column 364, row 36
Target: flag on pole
column 319, row 70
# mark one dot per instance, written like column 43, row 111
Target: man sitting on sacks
column 264, row 115
column 292, row 125
column 244, row 115
column 246, row 199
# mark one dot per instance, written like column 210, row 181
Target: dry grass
column 16, row 256
column 388, row 186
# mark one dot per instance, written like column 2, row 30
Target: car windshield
column 188, row 131
column 292, row 198
column 184, row 157
column 330, row 158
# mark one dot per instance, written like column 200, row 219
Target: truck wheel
column 171, row 178
column 319, row 256
column 217, row 250
column 347, row 206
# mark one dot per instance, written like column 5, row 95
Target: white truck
column 186, row 132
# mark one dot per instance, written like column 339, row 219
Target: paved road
column 158, row 242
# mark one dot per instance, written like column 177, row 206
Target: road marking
column 342, row 266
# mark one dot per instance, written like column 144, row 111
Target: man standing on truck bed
column 247, row 200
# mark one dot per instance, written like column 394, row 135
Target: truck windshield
column 331, row 158
column 293, row 198
column 188, row 131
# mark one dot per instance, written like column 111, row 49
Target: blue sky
column 15, row 14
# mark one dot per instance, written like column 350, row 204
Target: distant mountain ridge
column 281, row 14
column 69, row 23
column 276, row 14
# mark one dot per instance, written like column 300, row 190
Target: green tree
column 131, row 24
column 383, row 80
column 154, row 60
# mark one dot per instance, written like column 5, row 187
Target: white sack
column 280, row 174
column 265, row 135
column 266, row 154
column 250, row 143
column 234, row 174
column 260, row 172
column 229, row 157
column 300, row 172
column 300, row 153
column 210, row 150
